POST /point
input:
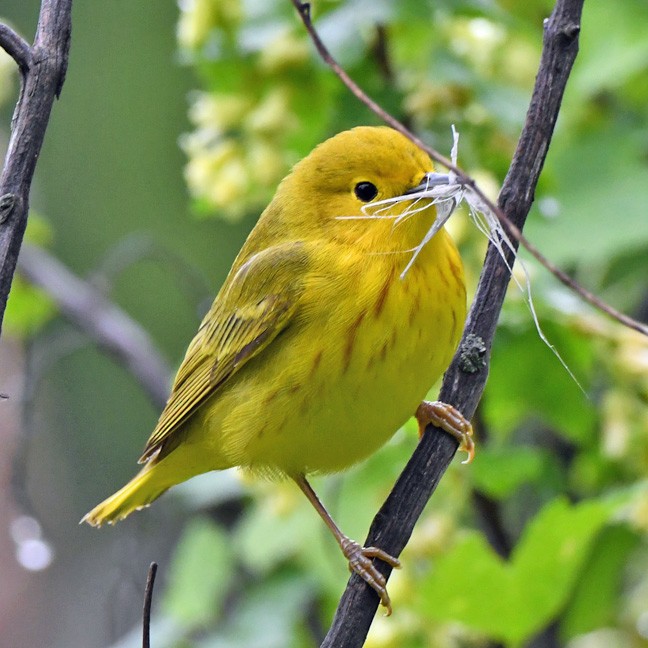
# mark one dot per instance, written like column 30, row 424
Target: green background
column 248, row 563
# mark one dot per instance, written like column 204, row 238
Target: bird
column 337, row 316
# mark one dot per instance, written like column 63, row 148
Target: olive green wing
column 255, row 304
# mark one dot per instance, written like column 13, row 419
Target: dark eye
column 365, row 191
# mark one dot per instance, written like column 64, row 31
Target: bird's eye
column 365, row 191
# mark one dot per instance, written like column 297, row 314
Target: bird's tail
column 137, row 494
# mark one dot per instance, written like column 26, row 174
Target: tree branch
column 43, row 66
column 465, row 380
column 104, row 322
column 16, row 47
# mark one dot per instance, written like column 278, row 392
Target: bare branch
column 43, row 75
column 104, row 322
column 464, row 381
column 304, row 11
column 148, row 601
column 16, row 47
column 568, row 281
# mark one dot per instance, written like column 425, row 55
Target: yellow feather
column 315, row 350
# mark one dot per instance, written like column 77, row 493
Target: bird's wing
column 252, row 308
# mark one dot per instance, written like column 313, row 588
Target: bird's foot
column 449, row 420
column 361, row 562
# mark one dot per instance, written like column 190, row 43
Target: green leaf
column 601, row 183
column 266, row 537
column 200, row 574
column 605, row 62
column 266, row 616
column 500, row 472
column 602, row 577
column 462, row 585
column 514, row 394
column 511, row 601
column 29, row 308
column 548, row 558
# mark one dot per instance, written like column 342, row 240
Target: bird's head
column 337, row 187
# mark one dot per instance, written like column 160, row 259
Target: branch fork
column 42, row 66
column 16, row 47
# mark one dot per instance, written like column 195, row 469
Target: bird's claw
column 361, row 562
column 450, row 420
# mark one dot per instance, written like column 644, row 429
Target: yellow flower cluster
column 625, row 416
column 236, row 153
column 198, row 18
column 483, row 47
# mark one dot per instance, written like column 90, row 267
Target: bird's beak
column 430, row 180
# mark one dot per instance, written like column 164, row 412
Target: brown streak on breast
column 442, row 278
column 270, row 397
column 351, row 336
column 316, row 364
column 455, row 268
column 380, row 303
column 414, row 309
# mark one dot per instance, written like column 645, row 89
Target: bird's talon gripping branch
column 449, row 420
column 361, row 562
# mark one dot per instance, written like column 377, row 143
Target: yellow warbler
column 318, row 346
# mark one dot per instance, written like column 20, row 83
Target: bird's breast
column 376, row 343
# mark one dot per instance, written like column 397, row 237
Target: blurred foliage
column 562, row 466
column 266, row 99
column 29, row 307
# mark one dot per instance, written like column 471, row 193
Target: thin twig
column 16, row 47
column 304, row 11
column 148, row 600
column 104, row 322
column 568, row 281
column 465, row 379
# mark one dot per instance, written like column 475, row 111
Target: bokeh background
column 174, row 125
